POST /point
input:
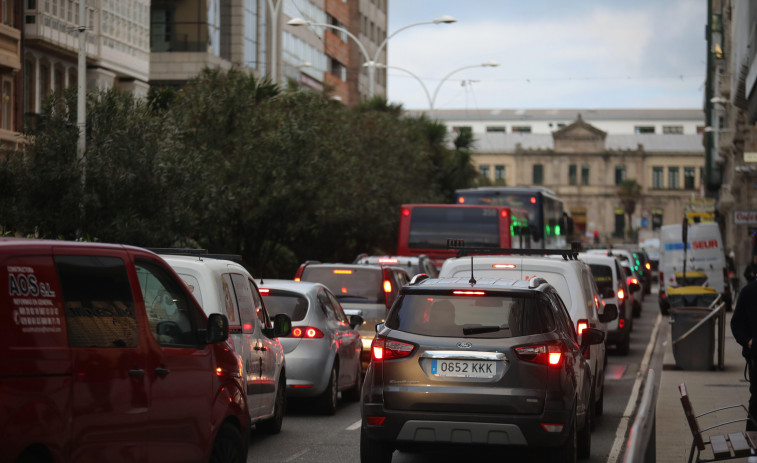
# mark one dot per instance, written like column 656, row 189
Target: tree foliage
column 234, row 164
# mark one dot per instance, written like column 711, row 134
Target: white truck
column 704, row 258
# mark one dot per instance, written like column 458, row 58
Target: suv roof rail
column 567, row 254
column 418, row 278
column 536, row 282
column 362, row 255
column 199, row 253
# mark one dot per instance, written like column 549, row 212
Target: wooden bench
column 725, row 446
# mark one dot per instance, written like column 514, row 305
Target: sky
column 552, row 54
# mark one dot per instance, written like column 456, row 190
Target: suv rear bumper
column 403, row 428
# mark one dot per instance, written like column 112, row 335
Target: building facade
column 117, row 47
column 584, row 164
column 10, row 75
column 731, row 114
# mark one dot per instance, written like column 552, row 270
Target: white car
column 226, row 287
column 574, row 284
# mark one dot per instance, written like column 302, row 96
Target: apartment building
column 117, row 47
column 10, row 75
column 584, row 155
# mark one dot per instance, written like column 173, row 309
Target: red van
column 106, row 356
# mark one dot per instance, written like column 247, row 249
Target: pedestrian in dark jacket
column 750, row 272
column 744, row 329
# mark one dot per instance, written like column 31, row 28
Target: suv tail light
column 306, row 332
column 545, row 354
column 661, row 291
column 621, row 294
column 580, row 327
column 383, row 349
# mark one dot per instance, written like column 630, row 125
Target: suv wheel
column 566, row 453
column 229, row 446
column 353, row 394
column 327, row 400
column 584, row 435
column 372, row 451
column 273, row 424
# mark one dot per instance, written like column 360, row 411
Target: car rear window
column 603, row 277
column 291, row 304
column 349, row 284
column 499, row 316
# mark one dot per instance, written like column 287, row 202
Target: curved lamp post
column 371, row 64
column 432, row 99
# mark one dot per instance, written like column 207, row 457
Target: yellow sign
column 750, row 156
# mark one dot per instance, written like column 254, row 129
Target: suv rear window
column 499, row 316
column 291, row 304
column 603, row 277
column 349, row 284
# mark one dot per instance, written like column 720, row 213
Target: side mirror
column 591, row 336
column 282, row 325
column 633, row 287
column 379, row 327
column 356, row 320
column 610, row 313
column 218, row 328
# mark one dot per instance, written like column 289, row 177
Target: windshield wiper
column 482, row 329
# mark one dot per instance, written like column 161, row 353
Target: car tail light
column 545, row 354
column 621, row 322
column 552, row 427
column 375, row 420
column 621, row 294
column 264, row 291
column 387, row 286
column 633, row 280
column 306, row 332
column 300, row 270
column 461, row 200
column 648, row 266
column 581, row 326
column 387, row 260
column 469, row 293
column 339, row 271
column 382, row 349
column 389, row 295
column 503, row 266
column 661, row 291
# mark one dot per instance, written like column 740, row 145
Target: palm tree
column 629, row 193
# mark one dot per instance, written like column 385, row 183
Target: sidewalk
column 707, row 390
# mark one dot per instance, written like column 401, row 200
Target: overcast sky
column 551, row 54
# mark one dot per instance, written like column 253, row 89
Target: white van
column 705, row 261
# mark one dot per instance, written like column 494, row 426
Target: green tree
column 629, row 193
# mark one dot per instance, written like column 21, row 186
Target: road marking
column 297, row 455
column 620, row 434
column 354, row 426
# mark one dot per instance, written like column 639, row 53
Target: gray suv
column 488, row 362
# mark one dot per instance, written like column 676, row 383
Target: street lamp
column 432, row 99
column 371, row 64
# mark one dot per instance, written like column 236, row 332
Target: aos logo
column 22, row 284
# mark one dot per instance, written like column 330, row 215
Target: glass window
column 170, row 314
column 572, row 174
column 673, row 178
column 337, row 308
column 278, row 301
column 7, row 113
column 538, row 174
column 492, row 317
column 495, row 128
column 521, row 129
column 499, row 172
column 325, row 303
column 584, row 175
column 643, row 129
column 245, row 301
column 430, row 227
column 349, row 284
column 483, row 170
column 231, row 309
column 98, row 302
column 689, row 178
column 672, row 129
column 620, row 174
column 657, row 178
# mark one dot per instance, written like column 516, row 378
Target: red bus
column 425, row 229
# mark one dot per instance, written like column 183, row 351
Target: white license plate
column 463, row 368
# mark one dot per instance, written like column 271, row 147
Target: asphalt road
column 309, row 437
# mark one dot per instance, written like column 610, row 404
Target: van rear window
column 603, row 277
column 475, row 317
column 98, row 301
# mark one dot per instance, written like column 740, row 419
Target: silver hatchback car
column 323, row 349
